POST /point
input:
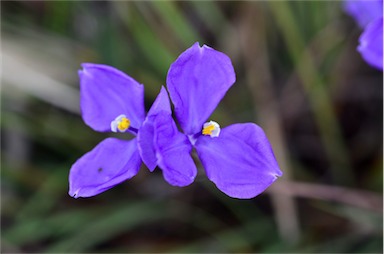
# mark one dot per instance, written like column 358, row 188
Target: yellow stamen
column 208, row 130
column 124, row 124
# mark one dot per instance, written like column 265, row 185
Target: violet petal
column 173, row 152
column 364, row 11
column 197, row 81
column 111, row 162
column 371, row 44
column 106, row 93
column 240, row 161
column 145, row 136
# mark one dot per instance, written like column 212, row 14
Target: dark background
column 299, row 77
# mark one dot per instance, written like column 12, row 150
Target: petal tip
column 85, row 66
column 74, row 194
column 196, row 44
column 162, row 89
column 205, row 46
column 80, row 73
column 280, row 173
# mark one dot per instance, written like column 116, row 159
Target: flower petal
column 364, row 11
column 145, row 136
column 240, row 161
column 111, row 162
column 196, row 82
column 173, row 151
column 371, row 44
column 106, row 93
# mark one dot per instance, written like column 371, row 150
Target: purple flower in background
column 369, row 15
column 364, row 11
column 110, row 101
column 371, row 43
column 238, row 158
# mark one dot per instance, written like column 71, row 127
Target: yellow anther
column 123, row 124
column 208, row 129
column 120, row 124
column 211, row 129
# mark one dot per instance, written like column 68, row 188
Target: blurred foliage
column 299, row 77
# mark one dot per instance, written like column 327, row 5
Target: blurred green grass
column 298, row 76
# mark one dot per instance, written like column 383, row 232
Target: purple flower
column 238, row 158
column 364, row 11
column 371, row 43
column 369, row 16
column 110, row 101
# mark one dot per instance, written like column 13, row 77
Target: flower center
column 121, row 124
column 212, row 129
